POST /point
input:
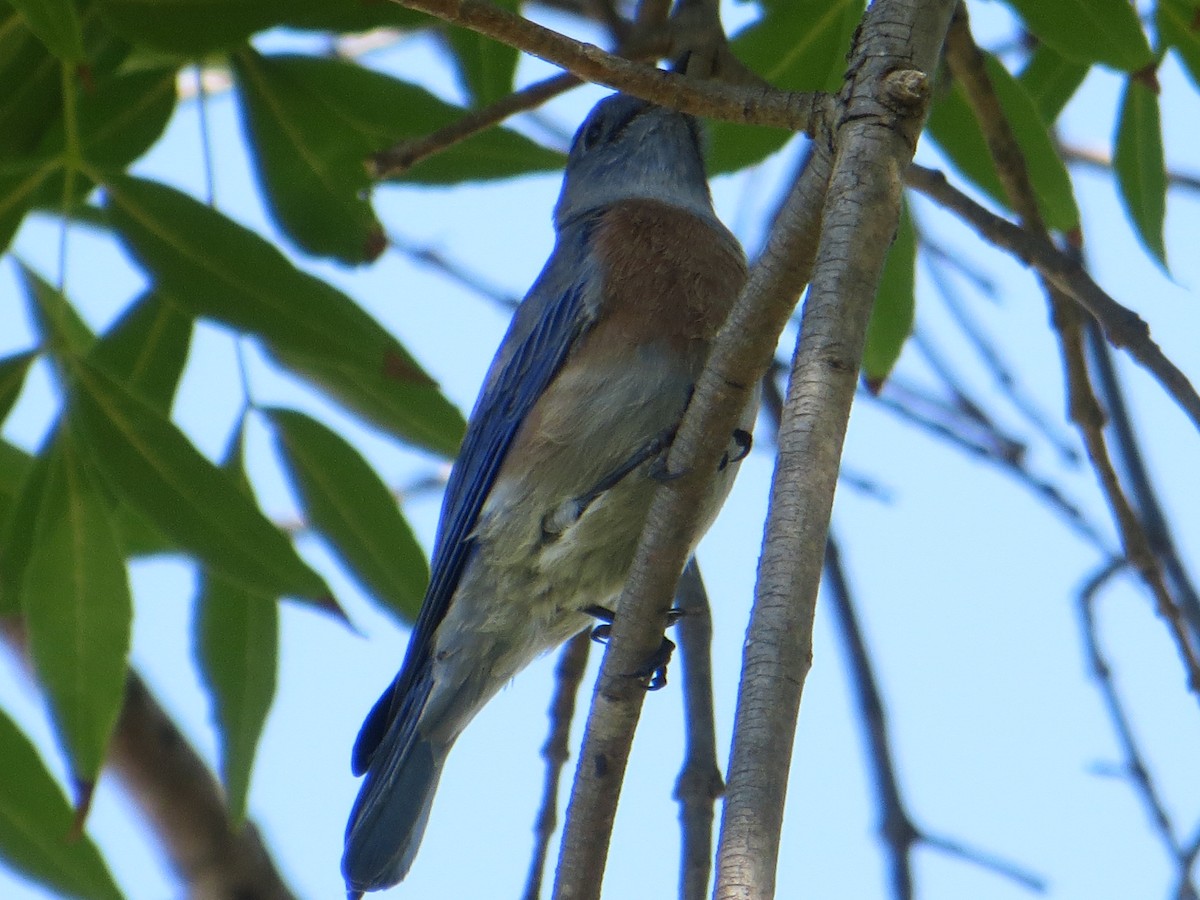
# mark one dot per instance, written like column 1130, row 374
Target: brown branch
column 1122, row 326
column 568, row 675
column 699, row 783
column 885, row 102
column 740, row 356
column 185, row 807
column 747, row 104
column 989, row 452
column 1145, row 496
column 181, row 801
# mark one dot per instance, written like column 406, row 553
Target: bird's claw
column 744, row 442
column 654, row 672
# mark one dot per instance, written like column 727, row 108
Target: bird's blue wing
column 548, row 324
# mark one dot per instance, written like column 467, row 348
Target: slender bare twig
column 1102, row 159
column 1123, row 327
column 453, row 270
column 699, row 783
column 991, row 358
column 1134, row 764
column 1045, row 490
column 748, row 104
column 568, row 675
column 1129, row 454
column 402, row 156
column 900, row 835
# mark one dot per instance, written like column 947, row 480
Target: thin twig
column 1129, row 453
column 455, row 271
column 1122, row 326
column 990, row 356
column 405, row 154
column 568, row 675
column 1102, row 159
column 747, row 104
column 900, row 834
column 1134, row 764
column 699, row 783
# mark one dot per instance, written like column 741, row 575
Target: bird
column 547, row 499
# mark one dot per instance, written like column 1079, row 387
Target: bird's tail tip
column 389, row 818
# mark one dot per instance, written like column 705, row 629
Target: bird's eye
column 591, row 137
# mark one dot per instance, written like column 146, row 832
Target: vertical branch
column 568, row 676
column 884, row 109
column 699, row 783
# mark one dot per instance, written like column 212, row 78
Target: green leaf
column 236, row 649
column 354, row 16
column 348, row 503
column 314, row 181
column 1178, row 23
column 485, row 66
column 19, row 525
column 30, row 87
column 21, row 183
column 56, row 24
column 193, row 28
column 953, row 125
column 35, row 824
column 216, row 268
column 370, row 111
column 147, row 349
column 121, row 116
column 1051, row 80
column 62, row 330
column 802, row 46
column 1089, row 31
column 1140, row 166
column 892, row 315
column 189, row 27
column 77, row 606
column 12, row 378
column 423, row 417
column 151, row 466
column 15, row 464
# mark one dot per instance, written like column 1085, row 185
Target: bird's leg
column 568, row 512
column 654, row 672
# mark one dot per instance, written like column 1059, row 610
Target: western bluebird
column 547, row 500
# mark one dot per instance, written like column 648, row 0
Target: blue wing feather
column 550, row 321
